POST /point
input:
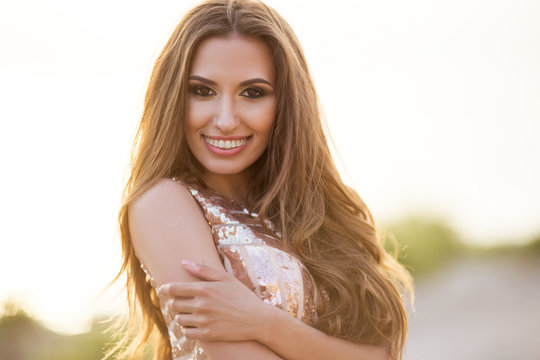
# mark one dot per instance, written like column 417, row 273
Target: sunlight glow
column 433, row 106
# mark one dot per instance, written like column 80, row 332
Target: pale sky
column 434, row 107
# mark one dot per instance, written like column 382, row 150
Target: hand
column 218, row 308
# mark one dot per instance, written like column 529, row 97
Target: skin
column 231, row 96
column 227, row 318
column 221, row 308
column 167, row 226
column 165, row 220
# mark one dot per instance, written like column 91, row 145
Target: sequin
column 254, row 256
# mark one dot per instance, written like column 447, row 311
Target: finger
column 196, row 333
column 184, row 306
column 186, row 289
column 205, row 272
column 191, row 320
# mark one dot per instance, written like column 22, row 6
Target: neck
column 230, row 186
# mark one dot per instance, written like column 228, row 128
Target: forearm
column 294, row 340
column 238, row 350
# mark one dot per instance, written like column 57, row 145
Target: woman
column 231, row 123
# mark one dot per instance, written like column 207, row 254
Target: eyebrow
column 243, row 83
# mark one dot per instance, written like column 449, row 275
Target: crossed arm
column 230, row 322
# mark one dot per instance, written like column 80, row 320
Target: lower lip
column 227, row 152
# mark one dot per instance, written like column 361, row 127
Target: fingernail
column 190, row 264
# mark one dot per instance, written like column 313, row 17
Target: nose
column 225, row 118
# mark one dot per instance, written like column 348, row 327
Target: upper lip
column 226, row 137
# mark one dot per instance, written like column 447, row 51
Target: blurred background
column 434, row 110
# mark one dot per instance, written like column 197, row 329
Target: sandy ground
column 481, row 308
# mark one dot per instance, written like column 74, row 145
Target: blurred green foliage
column 422, row 244
column 426, row 244
column 93, row 342
column 23, row 338
column 534, row 245
column 531, row 247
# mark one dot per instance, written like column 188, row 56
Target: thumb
column 205, row 272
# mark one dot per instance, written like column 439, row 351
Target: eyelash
column 196, row 89
column 260, row 92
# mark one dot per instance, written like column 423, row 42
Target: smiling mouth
column 226, row 144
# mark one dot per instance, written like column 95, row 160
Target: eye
column 202, row 90
column 252, row 92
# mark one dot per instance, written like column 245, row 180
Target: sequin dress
column 256, row 257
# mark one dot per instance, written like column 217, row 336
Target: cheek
column 262, row 117
column 197, row 115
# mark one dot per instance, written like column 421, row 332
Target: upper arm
column 167, row 225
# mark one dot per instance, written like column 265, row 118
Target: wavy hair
column 296, row 186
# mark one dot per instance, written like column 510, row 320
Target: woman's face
column 232, row 103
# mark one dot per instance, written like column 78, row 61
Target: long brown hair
column 296, row 186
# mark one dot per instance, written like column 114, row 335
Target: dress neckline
column 212, row 193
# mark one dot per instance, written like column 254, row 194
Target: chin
column 224, row 169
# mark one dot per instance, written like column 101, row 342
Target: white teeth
column 227, row 144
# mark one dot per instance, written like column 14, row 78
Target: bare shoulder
column 164, row 193
column 166, row 226
column 167, row 206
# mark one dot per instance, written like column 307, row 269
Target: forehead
column 233, row 57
